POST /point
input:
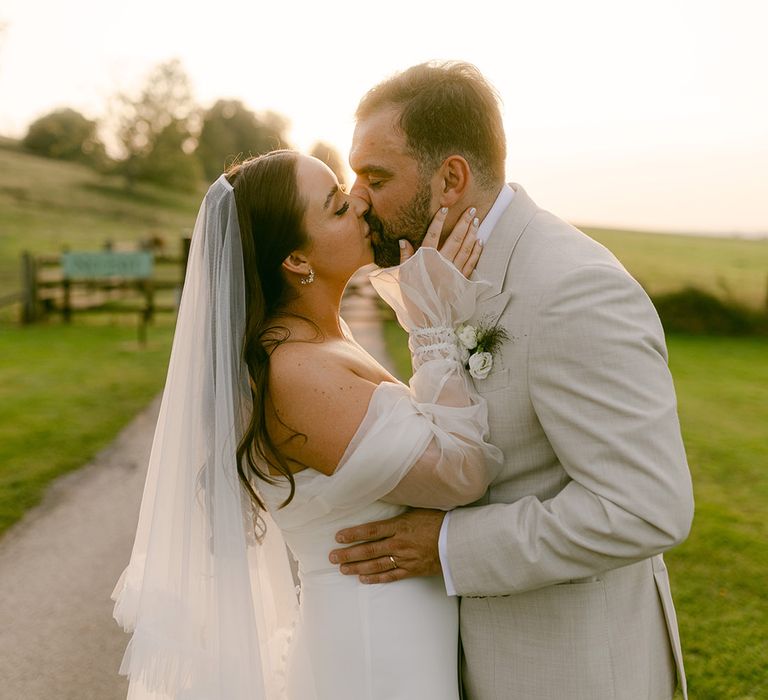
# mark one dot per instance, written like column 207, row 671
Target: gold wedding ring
column 394, row 563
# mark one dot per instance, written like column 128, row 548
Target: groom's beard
column 411, row 223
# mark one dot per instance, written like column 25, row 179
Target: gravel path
column 59, row 565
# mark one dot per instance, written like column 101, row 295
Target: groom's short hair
column 446, row 108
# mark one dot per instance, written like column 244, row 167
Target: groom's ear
column 455, row 176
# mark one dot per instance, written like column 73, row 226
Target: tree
column 330, row 156
column 169, row 163
column 230, row 130
column 162, row 118
column 65, row 134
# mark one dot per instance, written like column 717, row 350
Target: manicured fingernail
column 402, row 243
column 345, row 569
column 364, row 579
column 480, row 243
column 334, row 558
column 472, row 211
column 444, row 210
column 476, row 222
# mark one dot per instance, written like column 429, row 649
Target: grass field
column 719, row 575
column 65, row 392
column 47, row 204
column 733, row 269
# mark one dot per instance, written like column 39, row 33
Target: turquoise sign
column 129, row 265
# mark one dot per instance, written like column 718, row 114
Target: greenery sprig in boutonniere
column 478, row 344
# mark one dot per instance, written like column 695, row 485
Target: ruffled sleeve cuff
column 428, row 291
column 431, row 298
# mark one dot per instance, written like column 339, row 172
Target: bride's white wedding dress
column 364, row 642
column 421, row 445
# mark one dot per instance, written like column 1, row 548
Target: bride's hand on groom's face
column 462, row 246
column 394, row 549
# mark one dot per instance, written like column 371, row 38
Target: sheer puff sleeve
column 431, row 298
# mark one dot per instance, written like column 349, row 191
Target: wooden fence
column 72, row 283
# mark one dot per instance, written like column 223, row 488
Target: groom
column 564, row 592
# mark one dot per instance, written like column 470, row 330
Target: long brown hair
column 270, row 213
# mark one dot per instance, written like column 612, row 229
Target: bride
column 276, row 430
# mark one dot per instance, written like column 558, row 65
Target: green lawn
column 65, row 392
column 47, row 204
column 731, row 268
column 719, row 575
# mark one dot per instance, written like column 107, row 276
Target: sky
column 649, row 115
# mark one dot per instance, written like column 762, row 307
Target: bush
column 693, row 311
column 65, row 134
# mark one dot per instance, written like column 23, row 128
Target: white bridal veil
column 210, row 608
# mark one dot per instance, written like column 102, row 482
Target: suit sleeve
column 602, row 391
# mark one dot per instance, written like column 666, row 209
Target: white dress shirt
column 503, row 200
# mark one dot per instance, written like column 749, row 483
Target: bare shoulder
column 314, row 372
column 315, row 392
column 311, row 362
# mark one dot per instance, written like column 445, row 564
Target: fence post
column 29, row 301
column 66, row 306
column 148, row 312
column 149, row 295
column 143, row 330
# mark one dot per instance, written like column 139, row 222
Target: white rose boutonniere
column 480, row 364
column 477, row 345
column 468, row 337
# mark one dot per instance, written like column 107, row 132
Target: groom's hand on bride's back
column 462, row 247
column 390, row 550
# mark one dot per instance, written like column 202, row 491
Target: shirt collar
column 503, row 200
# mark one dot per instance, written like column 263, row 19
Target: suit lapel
column 494, row 262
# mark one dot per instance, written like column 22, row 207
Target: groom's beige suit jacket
column 564, row 590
